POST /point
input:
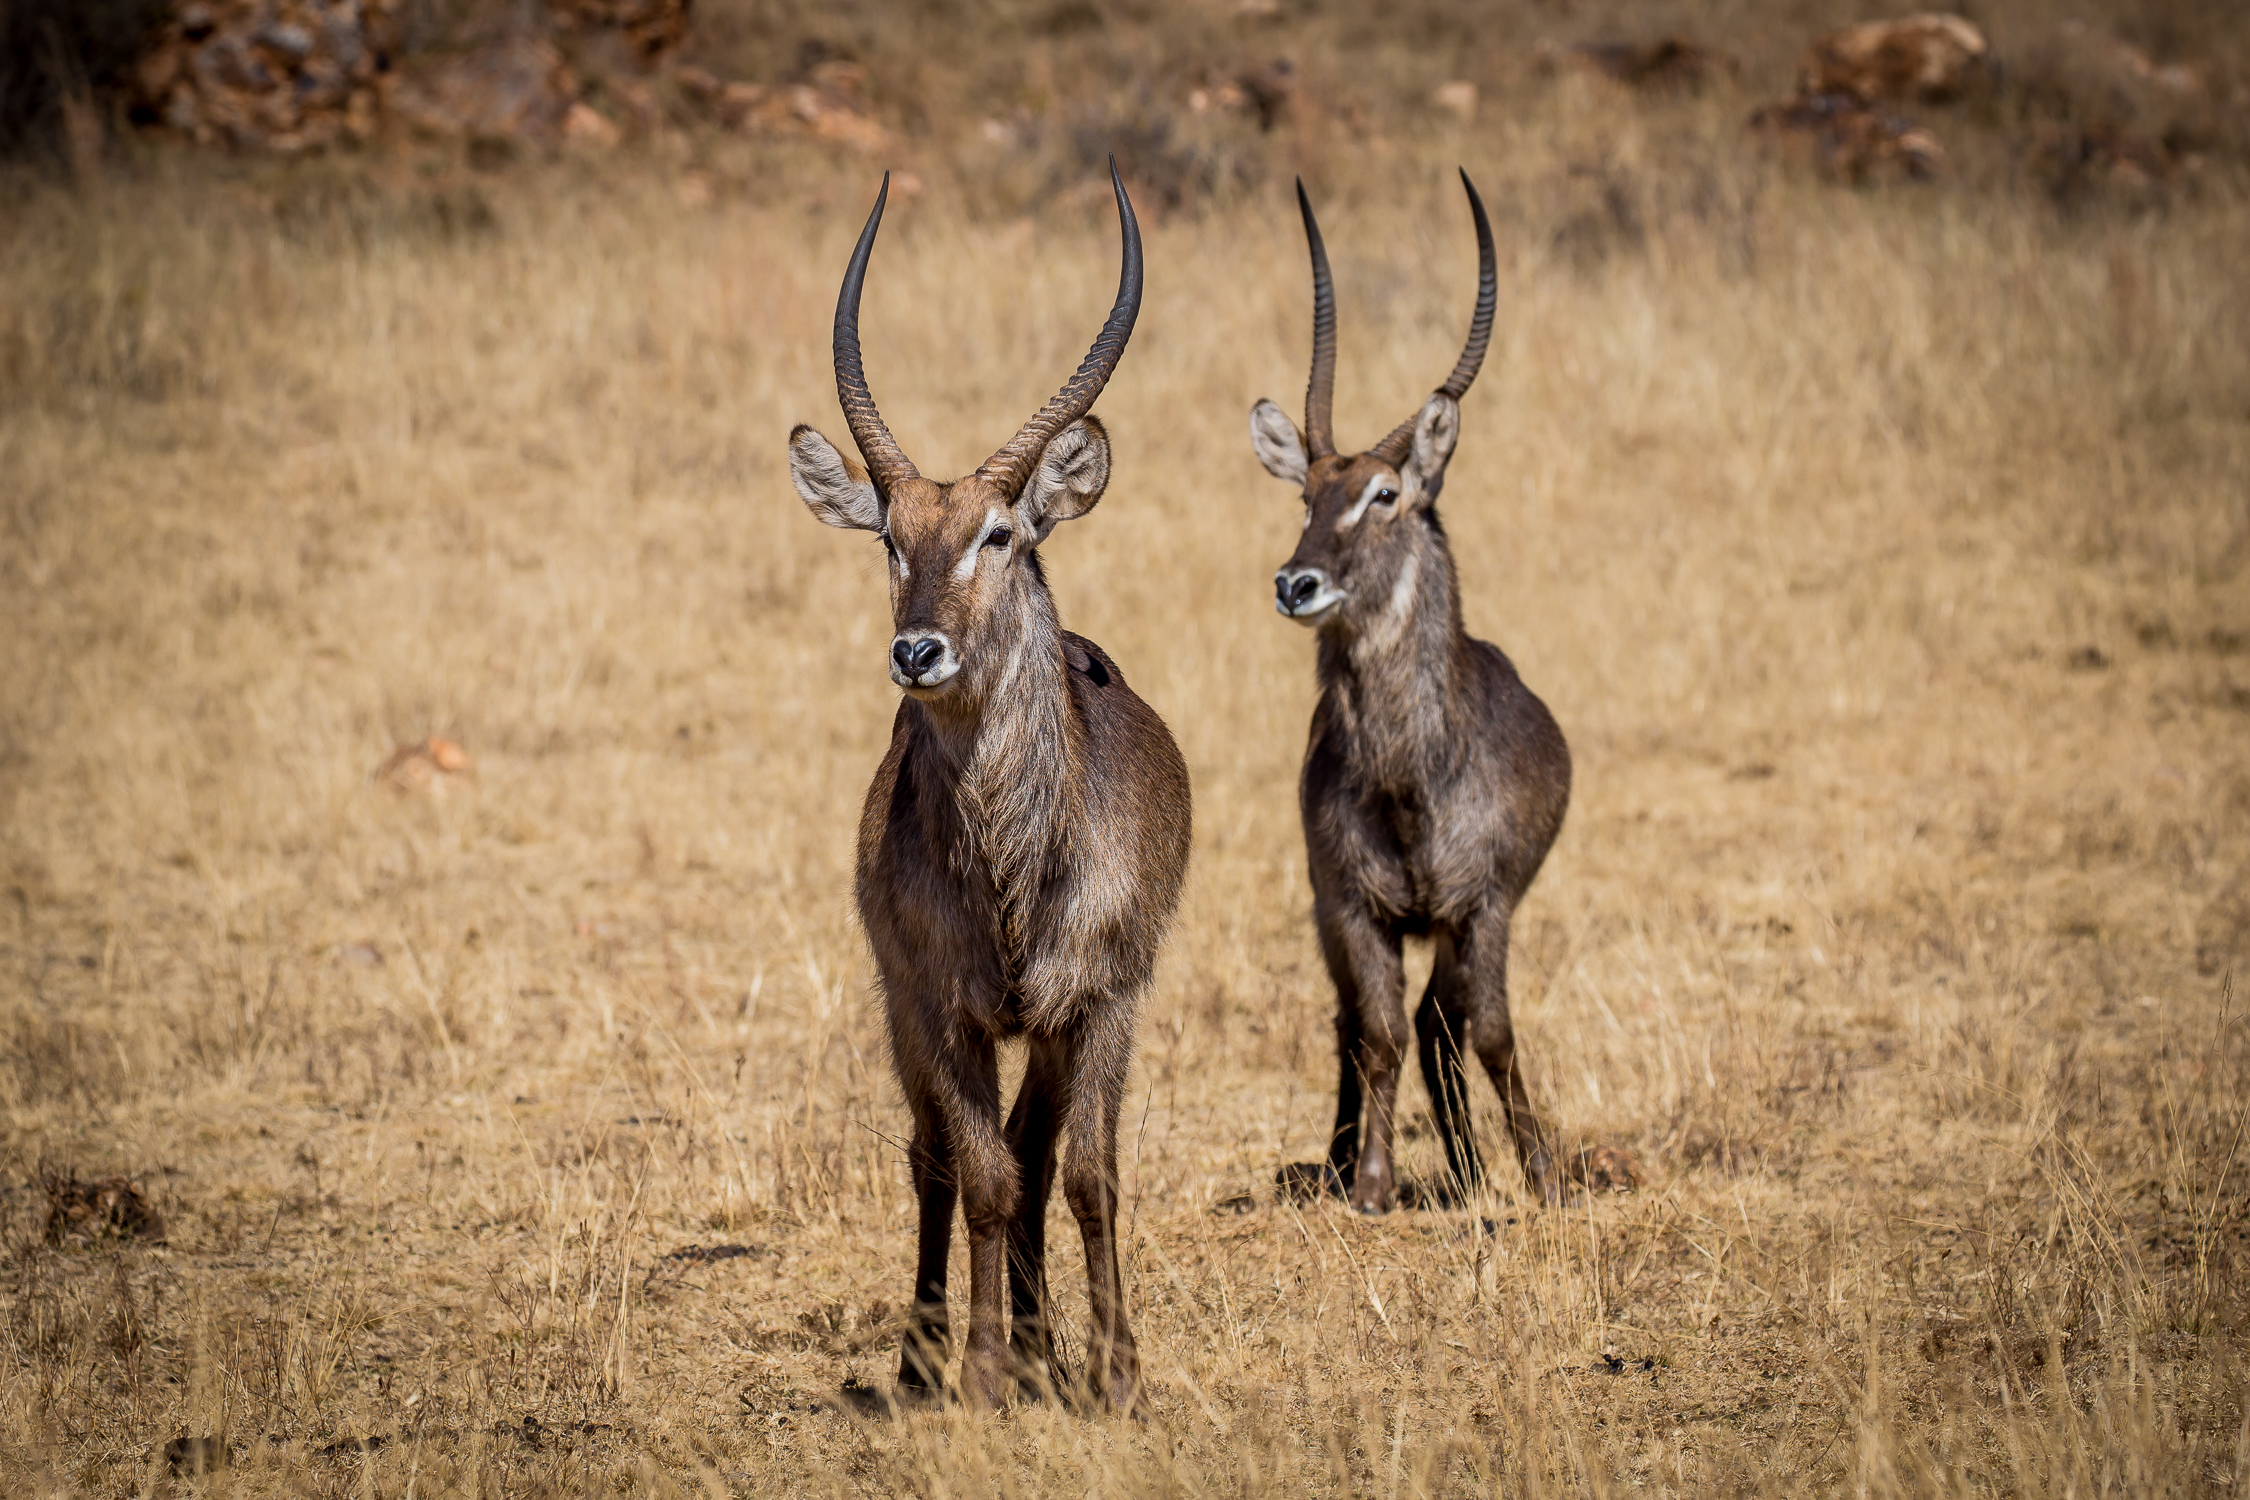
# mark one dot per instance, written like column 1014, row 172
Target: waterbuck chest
column 951, row 910
column 1022, row 882
column 1402, row 816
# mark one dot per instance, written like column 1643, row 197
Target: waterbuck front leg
column 1343, row 1138
column 1363, row 959
column 1100, row 1056
column 951, row 1076
column 986, row 1169
column 1441, row 1029
column 1032, row 1125
column 1331, row 1176
column 924, row 1347
column 1482, row 953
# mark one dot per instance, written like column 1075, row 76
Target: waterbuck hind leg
column 1483, row 955
column 1095, row 1096
column 1032, row 1125
column 1441, row 1033
column 924, row 1347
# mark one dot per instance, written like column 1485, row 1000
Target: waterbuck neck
column 1009, row 754
column 1390, row 670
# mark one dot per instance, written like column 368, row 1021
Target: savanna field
column 526, row 1128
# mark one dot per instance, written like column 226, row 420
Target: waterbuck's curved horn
column 1320, row 390
column 887, row 463
column 1012, row 465
column 1488, row 295
column 1393, row 448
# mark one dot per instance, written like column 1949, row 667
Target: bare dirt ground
column 1885, row 556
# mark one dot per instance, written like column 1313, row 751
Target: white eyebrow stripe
column 896, row 556
column 1366, row 498
column 968, row 562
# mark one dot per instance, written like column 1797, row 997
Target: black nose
column 917, row 656
column 1295, row 589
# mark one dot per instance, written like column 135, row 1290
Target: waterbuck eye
column 998, row 536
column 890, row 548
column 1386, row 496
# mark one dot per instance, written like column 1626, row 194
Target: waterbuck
column 1020, row 856
column 1434, row 781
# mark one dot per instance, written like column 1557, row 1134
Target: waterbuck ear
column 1071, row 474
column 834, row 488
column 1436, row 429
column 1279, row 446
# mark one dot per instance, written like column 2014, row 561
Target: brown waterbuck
column 1434, row 782
column 1020, row 856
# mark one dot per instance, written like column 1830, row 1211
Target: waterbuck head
column 964, row 577
column 1358, row 555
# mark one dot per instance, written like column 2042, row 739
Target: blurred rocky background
column 292, row 76
column 1197, row 97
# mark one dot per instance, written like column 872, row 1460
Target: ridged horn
column 1320, row 389
column 1393, row 448
column 1012, row 465
column 887, row 463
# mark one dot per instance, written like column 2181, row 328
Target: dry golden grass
column 1886, row 558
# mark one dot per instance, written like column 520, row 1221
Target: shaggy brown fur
column 1435, row 781
column 1020, row 856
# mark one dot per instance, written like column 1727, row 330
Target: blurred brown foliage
column 106, row 1208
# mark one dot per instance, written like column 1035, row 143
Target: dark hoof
column 922, row 1359
column 1377, row 1195
column 1308, row 1182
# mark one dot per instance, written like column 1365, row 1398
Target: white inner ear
column 1070, row 477
column 1434, row 435
column 1278, row 444
column 836, row 490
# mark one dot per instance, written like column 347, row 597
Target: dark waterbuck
column 1435, row 781
column 1020, row 856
